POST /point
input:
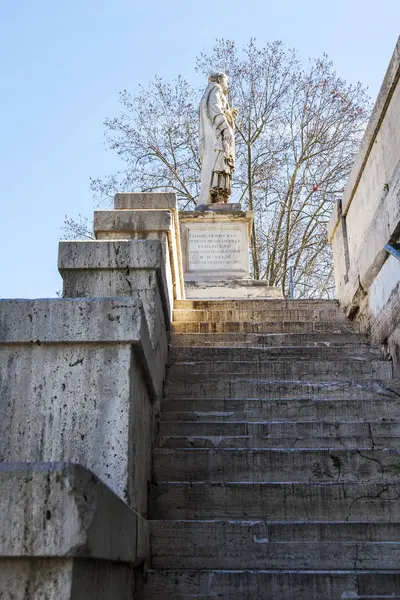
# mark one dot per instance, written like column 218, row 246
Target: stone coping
column 145, row 200
column 64, row 510
column 378, row 113
column 81, row 321
column 132, row 220
column 117, row 254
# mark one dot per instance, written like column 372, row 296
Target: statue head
column 220, row 78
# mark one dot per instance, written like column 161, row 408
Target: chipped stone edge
column 71, row 513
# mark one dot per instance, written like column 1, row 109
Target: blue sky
column 62, row 64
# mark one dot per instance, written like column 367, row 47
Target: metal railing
column 393, row 249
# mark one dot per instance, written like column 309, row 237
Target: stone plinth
column 79, row 379
column 215, row 244
column 66, row 536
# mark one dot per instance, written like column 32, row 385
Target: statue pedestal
column 215, row 254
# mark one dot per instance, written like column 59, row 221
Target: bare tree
column 297, row 132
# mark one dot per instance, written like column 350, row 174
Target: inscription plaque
column 219, row 250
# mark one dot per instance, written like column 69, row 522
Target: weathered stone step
column 282, row 464
column 256, row 340
column 271, row 585
column 262, row 326
column 266, row 545
column 366, row 502
column 256, row 303
column 255, row 409
column 262, row 388
column 260, row 314
column 250, row 442
column 312, row 370
column 283, row 434
column 359, row 352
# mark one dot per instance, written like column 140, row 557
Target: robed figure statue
column 217, row 141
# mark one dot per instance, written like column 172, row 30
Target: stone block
column 66, row 579
column 121, row 268
column 77, row 381
column 148, row 201
column 64, row 510
column 145, row 200
column 150, row 225
column 130, row 222
column 215, row 245
column 66, row 536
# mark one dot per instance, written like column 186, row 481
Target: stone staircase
column 277, row 475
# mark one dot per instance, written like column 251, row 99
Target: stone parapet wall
column 368, row 218
column 81, row 381
column 78, row 383
column 117, row 269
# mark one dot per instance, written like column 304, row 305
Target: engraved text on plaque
column 214, row 250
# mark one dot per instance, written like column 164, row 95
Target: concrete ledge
column 64, row 510
column 81, row 321
column 121, row 255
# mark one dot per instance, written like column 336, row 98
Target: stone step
column 261, row 388
column 269, row 545
column 279, row 434
column 276, row 464
column 271, row 585
column 260, row 314
column 289, row 502
column 262, row 326
column 249, row 442
column 256, row 340
column 256, row 303
column 189, row 354
column 336, row 410
column 312, row 370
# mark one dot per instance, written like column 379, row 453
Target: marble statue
column 217, row 141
